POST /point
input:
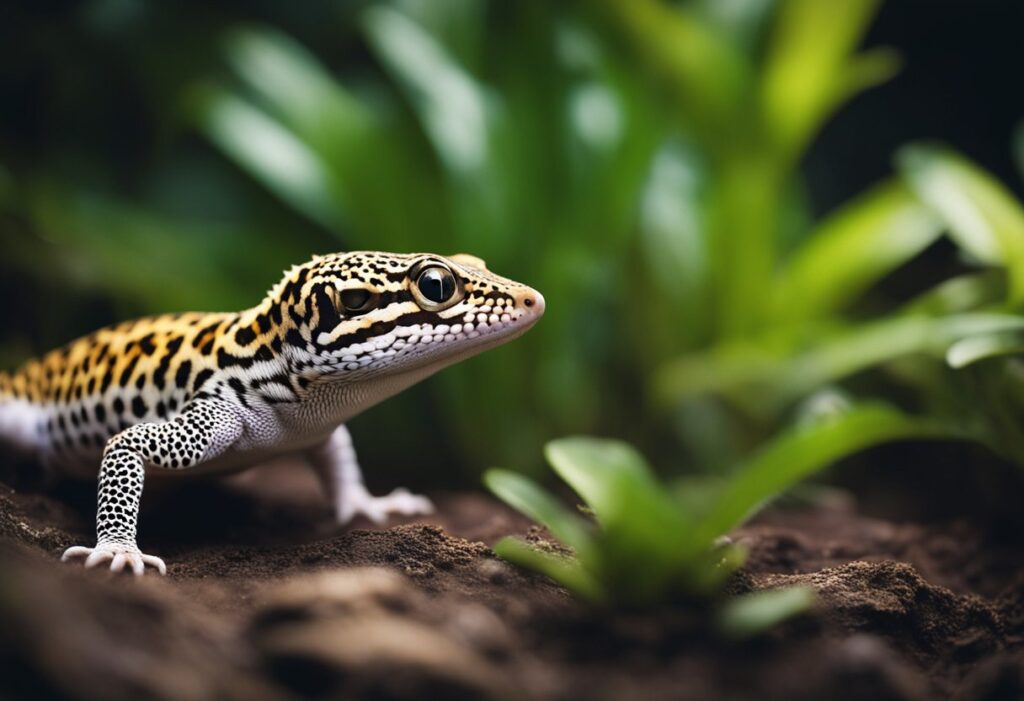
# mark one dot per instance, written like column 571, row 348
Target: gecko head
column 363, row 314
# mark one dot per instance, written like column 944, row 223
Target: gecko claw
column 119, row 556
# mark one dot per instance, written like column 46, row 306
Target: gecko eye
column 435, row 288
column 358, row 300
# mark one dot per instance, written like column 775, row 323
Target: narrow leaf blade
column 525, row 496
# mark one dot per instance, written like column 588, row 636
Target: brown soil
column 266, row 599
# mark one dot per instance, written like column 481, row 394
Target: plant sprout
column 651, row 543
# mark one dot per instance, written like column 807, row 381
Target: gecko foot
column 377, row 509
column 118, row 555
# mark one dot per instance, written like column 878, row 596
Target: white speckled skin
column 200, row 393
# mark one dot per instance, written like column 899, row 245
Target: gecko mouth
column 419, row 345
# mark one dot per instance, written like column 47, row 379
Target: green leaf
column 451, row 105
column 611, row 477
column 800, row 452
column 754, row 613
column 983, row 216
column 807, row 67
column 524, row 495
column 563, row 570
column 775, row 375
column 270, row 152
column 706, row 72
column 294, row 83
column 852, row 249
column 977, row 348
column 964, row 293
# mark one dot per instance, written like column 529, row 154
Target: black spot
column 127, row 374
column 226, row 360
column 160, row 374
column 183, row 373
column 201, row 378
column 118, row 406
column 294, row 338
column 244, row 336
column 200, row 338
column 140, row 381
column 101, row 413
column 108, row 377
column 138, row 407
column 146, row 344
column 263, row 322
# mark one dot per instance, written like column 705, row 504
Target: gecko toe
column 98, row 557
column 155, row 562
column 76, row 551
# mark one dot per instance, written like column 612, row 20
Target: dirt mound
column 276, row 603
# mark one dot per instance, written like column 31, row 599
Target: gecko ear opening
column 359, row 300
column 468, row 260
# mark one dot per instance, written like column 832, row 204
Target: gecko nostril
column 528, row 301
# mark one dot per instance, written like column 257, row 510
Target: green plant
column 970, row 319
column 651, row 543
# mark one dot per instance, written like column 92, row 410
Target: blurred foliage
column 638, row 161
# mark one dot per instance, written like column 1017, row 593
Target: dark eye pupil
column 437, row 284
column 355, row 300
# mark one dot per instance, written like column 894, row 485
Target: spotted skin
column 207, row 393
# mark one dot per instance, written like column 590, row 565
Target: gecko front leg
column 335, row 463
column 203, row 431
